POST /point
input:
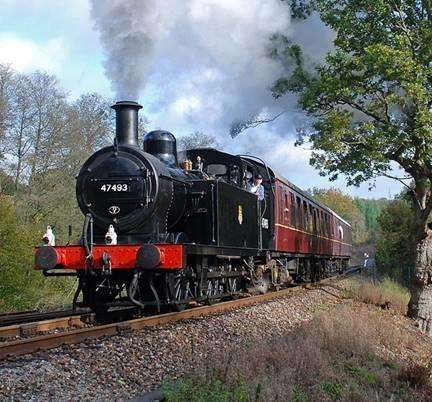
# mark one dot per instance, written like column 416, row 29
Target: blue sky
column 60, row 36
column 56, row 36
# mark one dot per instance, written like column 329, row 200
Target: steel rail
column 43, row 342
column 32, row 316
column 31, row 328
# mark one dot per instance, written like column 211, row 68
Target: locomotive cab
column 237, row 172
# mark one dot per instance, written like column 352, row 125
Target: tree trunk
column 19, row 153
column 420, row 304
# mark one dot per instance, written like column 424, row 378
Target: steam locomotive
column 162, row 229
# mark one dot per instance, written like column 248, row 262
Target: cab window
column 216, row 169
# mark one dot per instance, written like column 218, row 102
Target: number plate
column 114, row 188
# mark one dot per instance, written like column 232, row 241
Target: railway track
column 82, row 331
column 9, row 319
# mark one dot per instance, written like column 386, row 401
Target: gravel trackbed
column 129, row 365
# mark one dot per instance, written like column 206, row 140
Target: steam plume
column 201, row 64
column 128, row 31
column 194, row 50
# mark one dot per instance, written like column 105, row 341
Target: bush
column 21, row 287
column 386, row 293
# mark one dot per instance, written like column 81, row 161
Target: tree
column 45, row 139
column 6, row 79
column 393, row 252
column 370, row 108
column 197, row 140
column 371, row 210
column 344, row 206
column 19, row 136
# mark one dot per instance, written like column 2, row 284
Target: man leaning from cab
column 256, row 187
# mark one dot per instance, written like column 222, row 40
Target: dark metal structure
column 162, row 232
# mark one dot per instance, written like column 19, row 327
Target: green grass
column 362, row 374
column 385, row 292
column 214, row 390
column 393, row 288
column 298, row 395
column 333, row 390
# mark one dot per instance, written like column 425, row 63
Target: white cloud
column 25, row 55
column 185, row 105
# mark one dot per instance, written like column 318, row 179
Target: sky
column 192, row 64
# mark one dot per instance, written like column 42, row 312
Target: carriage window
column 306, row 217
column 326, row 228
column 331, row 226
column 321, row 222
column 311, row 224
column 332, row 229
column 299, row 213
column 293, row 215
column 286, row 207
column 327, row 224
column 315, row 220
column 340, row 232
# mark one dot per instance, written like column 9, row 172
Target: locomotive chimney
column 127, row 122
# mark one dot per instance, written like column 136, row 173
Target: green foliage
column 370, row 102
column 6, row 184
column 394, row 245
column 214, row 390
column 21, row 287
column 15, row 256
column 371, row 209
column 346, row 207
column 300, row 9
column 333, row 390
column 298, row 395
column 362, row 374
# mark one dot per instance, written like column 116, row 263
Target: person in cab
column 256, row 187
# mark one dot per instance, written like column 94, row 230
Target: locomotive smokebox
column 162, row 145
column 127, row 122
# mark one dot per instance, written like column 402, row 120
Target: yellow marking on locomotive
column 240, row 214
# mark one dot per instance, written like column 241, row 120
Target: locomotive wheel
column 234, row 283
column 213, row 286
column 181, row 287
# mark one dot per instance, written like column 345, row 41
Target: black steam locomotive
column 162, row 233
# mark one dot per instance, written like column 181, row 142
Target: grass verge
column 350, row 353
column 385, row 293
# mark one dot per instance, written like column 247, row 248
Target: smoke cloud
column 192, row 59
column 200, row 65
column 128, row 31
